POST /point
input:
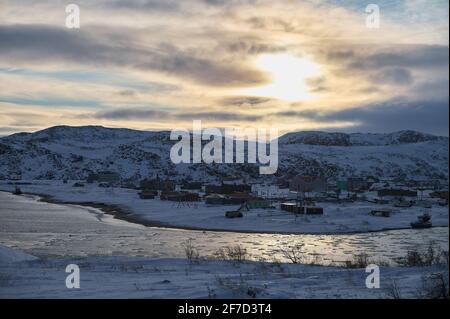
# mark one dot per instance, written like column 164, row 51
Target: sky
column 158, row 65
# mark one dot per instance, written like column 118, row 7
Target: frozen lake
column 51, row 230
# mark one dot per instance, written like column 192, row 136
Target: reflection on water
column 59, row 230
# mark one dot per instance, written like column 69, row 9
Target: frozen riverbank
column 130, row 277
column 118, row 259
column 55, row 230
column 338, row 218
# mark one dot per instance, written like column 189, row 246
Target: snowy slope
column 8, row 255
column 74, row 152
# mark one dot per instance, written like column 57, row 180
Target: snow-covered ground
column 55, row 230
column 8, row 255
column 130, row 277
column 337, row 218
column 122, row 260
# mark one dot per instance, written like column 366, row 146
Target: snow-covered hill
column 74, row 152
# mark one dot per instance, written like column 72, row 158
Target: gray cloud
column 317, row 84
column 251, row 46
column 129, row 114
column 426, row 116
column 146, row 114
column 154, row 5
column 405, row 56
column 244, row 100
column 38, row 43
column 301, row 114
column 398, row 76
column 219, row 116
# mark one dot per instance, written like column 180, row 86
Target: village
column 304, row 204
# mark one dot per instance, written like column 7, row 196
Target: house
column 370, row 180
column 308, row 184
column 239, row 198
column 227, row 188
column 299, row 209
column 357, row 184
column 392, row 192
column 104, row 177
column 179, row 196
column 258, row 203
column 379, row 185
column 342, row 185
column 292, row 208
column 191, row 185
column 158, row 184
column 439, row 194
column 215, row 199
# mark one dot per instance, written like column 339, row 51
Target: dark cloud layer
column 406, row 56
column 147, row 114
column 38, row 43
column 396, row 76
column 129, row 114
column 243, row 100
column 426, row 116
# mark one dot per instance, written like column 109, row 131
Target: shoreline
column 124, row 214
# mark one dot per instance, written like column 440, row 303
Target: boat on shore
column 17, row 191
column 423, row 221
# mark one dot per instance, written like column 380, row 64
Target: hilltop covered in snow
column 74, row 152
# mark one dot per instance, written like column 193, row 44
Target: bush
column 359, row 261
column 393, row 290
column 294, row 253
column 432, row 255
column 192, row 253
column 240, row 287
column 234, row 253
column 434, row 286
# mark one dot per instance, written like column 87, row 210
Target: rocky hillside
column 74, row 152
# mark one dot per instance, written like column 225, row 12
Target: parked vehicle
column 381, row 212
column 402, row 203
column 148, row 194
column 234, row 214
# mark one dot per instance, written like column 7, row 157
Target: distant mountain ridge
column 357, row 139
column 74, row 152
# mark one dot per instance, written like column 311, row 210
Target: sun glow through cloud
column 288, row 77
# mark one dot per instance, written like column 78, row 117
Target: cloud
column 219, row 116
column 125, row 114
column 38, row 43
column 430, row 117
column 403, row 56
column 426, row 116
column 154, row 5
column 131, row 60
column 396, row 76
column 252, row 46
column 147, row 114
column 51, row 101
column 243, row 100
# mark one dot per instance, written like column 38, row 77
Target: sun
column 288, row 77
